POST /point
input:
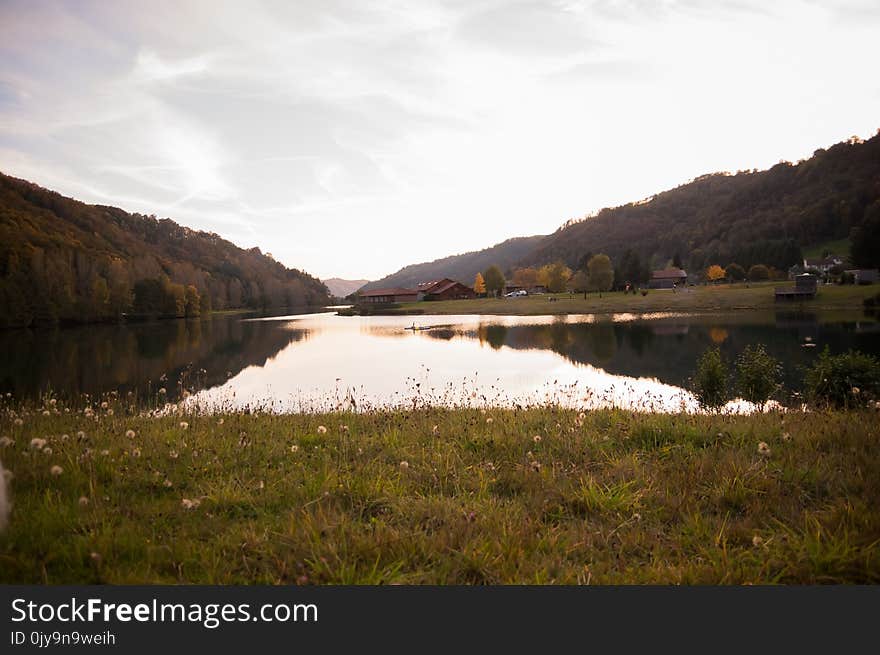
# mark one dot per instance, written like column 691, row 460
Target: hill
column 462, row 267
column 752, row 217
column 64, row 260
column 341, row 288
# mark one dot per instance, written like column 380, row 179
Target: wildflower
column 435, row 430
column 190, row 504
column 53, row 401
column 104, row 453
column 18, row 421
column 130, row 434
column 786, row 436
column 109, row 412
column 47, row 450
column 37, row 443
column 80, row 435
column 56, row 470
column 582, row 416
column 88, row 411
column 65, row 437
column 856, row 391
column 537, row 438
column 764, row 449
column 6, row 441
column 83, row 501
column 404, row 465
column 162, row 391
column 184, row 425
column 343, row 428
column 294, row 448
column 173, row 454
column 135, row 452
column 168, row 483
column 105, row 405
column 95, row 557
column 757, row 541
column 46, row 412
column 489, row 420
column 220, row 421
column 536, row 465
column 322, row 429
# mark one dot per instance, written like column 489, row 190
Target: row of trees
column 736, row 273
column 598, row 275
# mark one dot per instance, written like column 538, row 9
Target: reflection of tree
column 603, row 342
column 100, row 358
column 494, row 334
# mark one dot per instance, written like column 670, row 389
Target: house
column 445, row 289
column 822, row 264
column 804, row 289
column 667, row 279
column 864, row 276
column 377, row 296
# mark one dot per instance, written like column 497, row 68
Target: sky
column 349, row 139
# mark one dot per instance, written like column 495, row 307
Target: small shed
column 805, row 286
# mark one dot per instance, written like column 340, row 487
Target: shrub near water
column 851, row 379
column 757, row 375
column 710, row 380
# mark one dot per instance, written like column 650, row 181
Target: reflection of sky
column 378, row 362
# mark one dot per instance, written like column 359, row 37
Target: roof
column 831, row 260
column 439, row 286
column 668, row 274
column 390, row 292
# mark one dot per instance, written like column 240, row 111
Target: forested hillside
column 749, row 218
column 64, row 260
column 461, row 267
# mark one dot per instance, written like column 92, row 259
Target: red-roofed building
column 667, row 279
column 378, row 296
column 445, row 289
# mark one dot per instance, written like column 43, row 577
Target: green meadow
column 542, row 495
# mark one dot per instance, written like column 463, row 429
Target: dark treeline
column 749, row 218
column 62, row 260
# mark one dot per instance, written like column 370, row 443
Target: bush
column 710, row 380
column 759, row 272
column 848, row 380
column 757, row 375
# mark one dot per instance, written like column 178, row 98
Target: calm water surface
column 324, row 361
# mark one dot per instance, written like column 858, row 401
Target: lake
column 321, row 361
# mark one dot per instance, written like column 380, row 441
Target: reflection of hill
column 668, row 350
column 134, row 357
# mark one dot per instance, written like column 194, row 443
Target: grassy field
column 541, row 495
column 699, row 299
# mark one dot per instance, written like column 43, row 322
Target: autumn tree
column 735, row 273
column 494, row 280
column 526, row 278
column 193, row 302
column 714, row 273
column 479, row 285
column 601, row 273
column 759, row 272
column 554, row 276
column 580, row 283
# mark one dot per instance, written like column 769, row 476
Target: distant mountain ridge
column 751, row 217
column 462, row 268
column 341, row 288
column 65, row 260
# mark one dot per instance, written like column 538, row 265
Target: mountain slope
column 462, row 267
column 749, row 218
column 341, row 288
column 64, row 260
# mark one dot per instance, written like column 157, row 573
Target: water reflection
column 324, row 361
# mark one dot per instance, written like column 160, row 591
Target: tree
column 757, row 375
column 601, row 273
column 865, row 239
column 525, row 277
column 193, row 301
column 554, row 276
column 709, row 383
column 759, row 272
column 676, row 261
column 494, row 280
column 735, row 273
column 479, row 285
column 631, row 269
column 714, row 273
column 580, row 282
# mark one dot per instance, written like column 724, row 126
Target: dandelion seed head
column 220, row 421
column 105, row 405
column 37, row 443
column 47, row 450
column 46, row 412
column 130, row 434
column 757, row 541
column 168, row 483
column 764, row 449
column 322, row 429
column 56, row 470
column 18, row 421
column 537, row 438
column 83, row 501
column 294, row 448
column 489, row 420
column 184, row 425
column 404, row 465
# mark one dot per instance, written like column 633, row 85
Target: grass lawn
column 531, row 496
column 699, row 299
